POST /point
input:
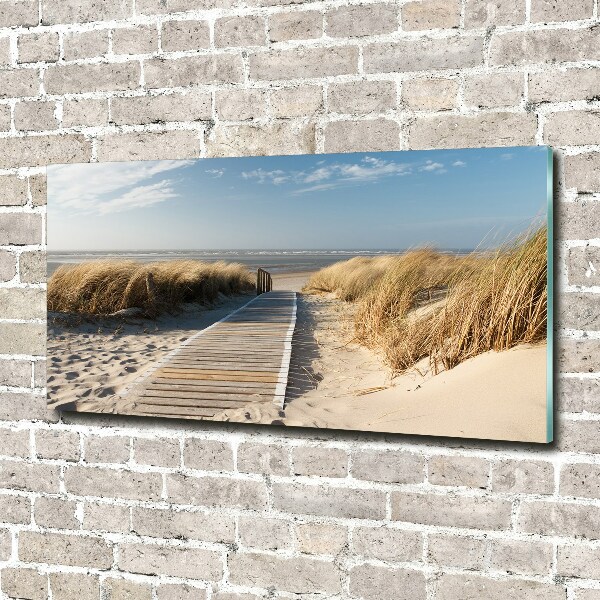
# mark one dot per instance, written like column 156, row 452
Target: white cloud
column 459, row 163
column 111, row 187
column 276, row 177
column 216, row 172
column 433, row 166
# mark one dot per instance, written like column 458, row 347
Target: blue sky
column 382, row 200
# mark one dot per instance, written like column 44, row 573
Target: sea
column 274, row 261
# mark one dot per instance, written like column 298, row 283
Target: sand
column 92, row 360
column 333, row 381
column 293, row 282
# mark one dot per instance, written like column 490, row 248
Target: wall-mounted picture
column 400, row 292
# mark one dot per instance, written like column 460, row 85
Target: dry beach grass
column 448, row 308
column 107, row 286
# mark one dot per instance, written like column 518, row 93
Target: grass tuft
column 106, row 286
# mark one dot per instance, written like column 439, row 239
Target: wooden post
column 264, row 282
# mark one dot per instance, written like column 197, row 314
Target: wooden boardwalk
column 242, row 359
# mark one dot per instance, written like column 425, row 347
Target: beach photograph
column 399, row 292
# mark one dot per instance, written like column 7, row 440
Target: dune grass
column 448, row 308
column 106, row 286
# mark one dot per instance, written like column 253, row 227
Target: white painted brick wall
column 101, row 507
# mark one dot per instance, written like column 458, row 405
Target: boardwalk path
column 242, row 359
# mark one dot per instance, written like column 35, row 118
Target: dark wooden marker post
column 264, row 282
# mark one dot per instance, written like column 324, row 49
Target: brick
column 579, row 219
column 235, row 596
column 19, row 13
column 578, row 395
column 321, row 538
column 451, row 511
column 15, row 373
column 580, row 173
column 523, row 477
column 13, row 190
column 146, row 145
column 74, row 586
column 85, row 112
column 55, row 444
column 22, row 338
column 491, row 13
column 39, row 373
column 24, row 583
column 106, row 449
column 320, row 462
column 385, row 543
column 430, row 14
column 373, row 582
column 354, row 136
column 5, row 119
column 5, row 51
column 495, row 90
column 458, row 131
column 523, row 557
column 42, row 150
column 475, row 587
column 552, row 10
column 193, row 70
column 217, row 491
column 300, row 25
column 360, row 21
column 459, row 471
column 329, row 501
column 264, row 459
column 180, row 591
column 388, row 466
column 35, row 116
column 68, row 550
column 185, row 35
column 123, row 589
column 301, row 575
column 240, row 31
column 169, row 524
column 564, row 85
column 175, row 561
column 84, row 11
column 578, row 311
column 17, row 406
column 38, row 47
column 423, row 55
column 299, row 63
column 264, row 534
column 141, row 39
column 109, row 483
column 32, row 265
column 241, row 105
column 157, row 7
column 14, row 443
column 190, row 106
column 581, row 480
column 15, row 509
column 283, row 137
column 57, row 513
column 572, row 127
column 8, row 266
column 578, row 560
column 157, row 452
column 85, row 44
column 457, row 551
column 106, row 517
column 73, row 79
column 20, row 229
column 578, row 436
column 588, row 594
column 5, row 545
column 361, row 97
column 579, row 356
column 298, row 101
column 38, row 190
column 544, row 46
column 208, row 455
column 566, row 519
column 19, row 83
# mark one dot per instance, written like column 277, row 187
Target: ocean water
column 274, row 261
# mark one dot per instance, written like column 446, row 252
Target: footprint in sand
column 71, row 375
column 130, row 369
column 107, row 391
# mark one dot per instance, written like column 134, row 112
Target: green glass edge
column 550, row 315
